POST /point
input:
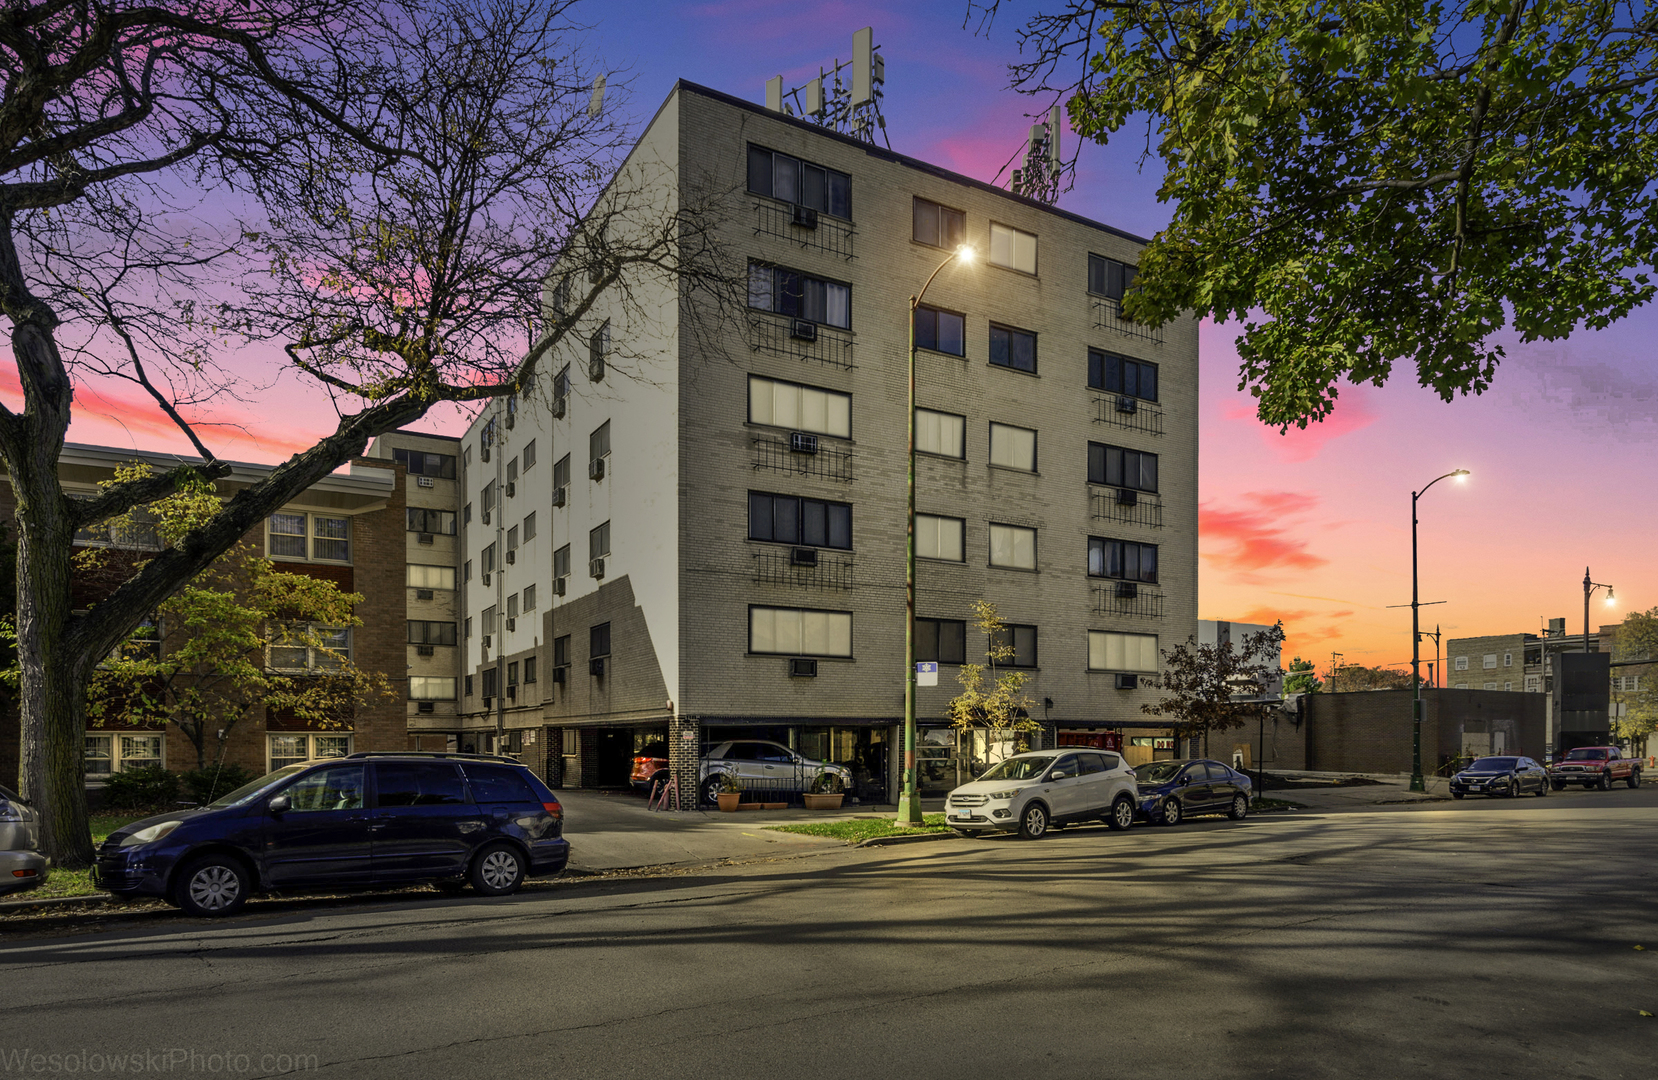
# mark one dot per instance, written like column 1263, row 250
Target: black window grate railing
column 775, row 334
column 827, row 463
column 830, row 235
column 1141, row 416
column 1107, row 504
column 1108, row 315
column 779, row 566
column 1146, row 603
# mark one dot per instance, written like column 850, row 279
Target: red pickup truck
column 1595, row 766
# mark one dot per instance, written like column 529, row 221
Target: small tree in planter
column 993, row 701
column 825, row 792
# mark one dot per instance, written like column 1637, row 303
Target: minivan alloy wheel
column 215, row 887
column 499, row 869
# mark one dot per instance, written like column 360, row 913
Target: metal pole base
column 909, row 809
column 1416, row 782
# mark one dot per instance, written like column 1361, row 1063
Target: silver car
column 22, row 866
column 762, row 766
column 1033, row 792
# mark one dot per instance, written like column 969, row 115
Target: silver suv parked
column 763, row 766
column 1033, row 792
column 22, row 866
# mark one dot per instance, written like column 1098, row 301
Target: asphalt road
column 1436, row 943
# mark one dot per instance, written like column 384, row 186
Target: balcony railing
column 1145, row 603
column 830, row 236
column 774, row 334
column 1140, row 416
column 1108, row 315
column 828, row 463
column 1106, row 504
column 778, row 566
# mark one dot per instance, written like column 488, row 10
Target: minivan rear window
column 499, row 784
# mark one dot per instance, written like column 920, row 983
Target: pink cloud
column 1258, row 536
column 1352, row 413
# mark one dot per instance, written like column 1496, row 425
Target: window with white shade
column 431, row 688
column 430, row 577
column 799, row 407
column 1012, row 248
column 1109, row 651
column 799, row 631
column 1013, row 547
column 944, row 434
column 799, row 296
column 939, row 538
column 1013, row 447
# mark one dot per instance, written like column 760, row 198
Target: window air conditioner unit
column 803, row 669
column 803, row 557
column 558, row 676
column 560, row 497
column 1127, row 590
column 802, row 443
column 512, row 489
column 512, row 624
column 1126, row 404
column 486, row 517
column 424, row 481
column 425, row 650
column 1128, row 682
column 487, row 639
column 804, row 216
column 483, row 452
column 803, row 329
column 488, row 701
column 426, row 707
column 424, row 538
column 1127, row 497
column 595, row 567
column 486, row 580
column 596, row 665
column 423, row 594
column 595, row 370
column 512, row 556
column 558, row 407
column 558, row 586
column 595, row 468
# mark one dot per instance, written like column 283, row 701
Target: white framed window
column 431, row 688
column 113, row 752
column 1012, row 248
column 1489, row 686
column 944, row 434
column 529, row 597
column 1462, row 663
column 1533, row 684
column 293, row 748
column 1111, row 651
column 309, row 647
column 431, row 577
column 799, row 632
column 308, row 537
column 1490, row 660
column 1508, row 686
column 939, row 538
column 1012, row 547
column 799, row 407
column 1508, row 659
column 1013, row 447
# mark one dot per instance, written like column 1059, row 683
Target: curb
column 54, row 901
column 918, row 838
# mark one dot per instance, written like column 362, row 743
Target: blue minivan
column 368, row 820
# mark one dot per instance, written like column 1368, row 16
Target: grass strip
column 857, row 830
column 77, row 882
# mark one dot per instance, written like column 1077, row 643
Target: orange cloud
column 1259, row 536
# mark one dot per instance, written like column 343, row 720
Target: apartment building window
column 1012, row 348
column 309, row 647
column 138, row 534
column 423, row 520
column 781, row 176
column 1020, row 643
column 598, row 352
column 938, row 226
column 492, row 676
column 1122, row 559
column 424, row 463
column 512, row 470
column 489, row 559
column 529, row 597
column 941, row 331
column 786, row 519
column 1012, row 547
column 420, row 576
column 598, row 443
column 469, row 633
column 486, row 438
column 469, row 570
column 1110, row 651
column 1508, row 659
column 529, row 526
column 427, row 632
column 466, row 514
column 313, row 537
column 944, row 434
column 432, row 688
column 106, row 754
column 1490, row 660
column 1013, row 447
column 293, row 749
column 1121, row 467
column 490, row 620
column 1119, row 375
column 1108, row 277
column 799, row 296
column 799, row 631
column 468, row 681
column 561, row 384
column 1508, row 686
column 942, row 641
column 1012, row 248
column 1533, row 684
column 512, row 605
column 512, row 538
column 1489, row 686
column 799, row 407
column 529, row 455
column 561, row 656
column 598, row 640
column 1462, row 663
column 561, row 475
column 561, row 562
column 939, row 538
column 512, row 673
column 598, row 541
column 488, row 497
column 529, row 668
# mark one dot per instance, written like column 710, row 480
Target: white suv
column 1031, row 792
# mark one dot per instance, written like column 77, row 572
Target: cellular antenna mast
column 845, row 98
column 1045, row 168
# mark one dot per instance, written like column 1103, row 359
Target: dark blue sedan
column 363, row 821
column 1172, row 791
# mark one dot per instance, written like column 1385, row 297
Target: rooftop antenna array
column 1045, row 167
column 845, row 98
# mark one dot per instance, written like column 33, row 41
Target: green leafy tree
column 1361, row 183
column 1206, row 687
column 1637, row 639
column 1300, row 678
column 993, row 701
column 1354, row 677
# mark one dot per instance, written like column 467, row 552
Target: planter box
column 728, row 803
column 775, row 806
column 824, row 802
column 751, row 806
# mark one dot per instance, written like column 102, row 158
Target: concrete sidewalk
column 1388, row 792
column 613, row 830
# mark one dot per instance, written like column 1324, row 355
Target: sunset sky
column 1311, row 527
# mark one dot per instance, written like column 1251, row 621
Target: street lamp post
column 1416, row 781
column 909, row 799
column 1589, row 588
